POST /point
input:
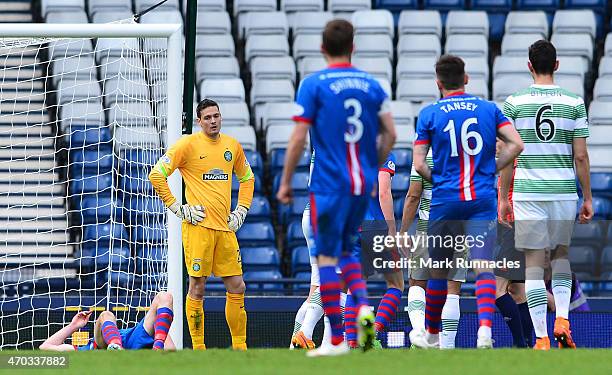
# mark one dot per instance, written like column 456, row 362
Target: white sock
column 561, row 286
column 416, row 307
column 314, row 312
column 536, row 299
column 484, row 331
column 451, row 313
column 326, row 332
column 299, row 317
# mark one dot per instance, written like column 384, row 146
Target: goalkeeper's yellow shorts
column 210, row 251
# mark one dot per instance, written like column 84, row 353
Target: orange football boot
column 299, row 340
column 542, row 343
column 563, row 334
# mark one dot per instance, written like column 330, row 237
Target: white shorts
column 543, row 225
column 310, row 242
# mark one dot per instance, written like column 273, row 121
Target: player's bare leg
column 194, row 310
column 106, row 334
column 451, row 313
column 562, row 291
column 158, row 320
column 235, row 314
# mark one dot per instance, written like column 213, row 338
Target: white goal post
column 56, row 80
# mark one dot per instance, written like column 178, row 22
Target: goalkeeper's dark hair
column 338, row 38
column 450, row 71
column 205, row 104
column 543, row 57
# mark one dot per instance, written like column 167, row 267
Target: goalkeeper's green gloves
column 236, row 218
column 192, row 214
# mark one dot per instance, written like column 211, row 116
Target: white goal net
column 82, row 121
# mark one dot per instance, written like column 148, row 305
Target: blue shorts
column 335, row 220
column 136, row 337
column 475, row 221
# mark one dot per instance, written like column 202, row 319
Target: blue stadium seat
column 582, row 258
column 90, row 184
column 606, row 259
column 400, row 184
column 151, row 254
column 302, row 287
column 98, row 137
column 260, row 210
column 403, row 159
column 256, row 162
column 295, row 235
column 99, row 235
column 497, row 10
column 396, row 5
column 293, row 211
column 277, row 159
column 609, row 235
column 596, row 5
column 136, row 184
column 546, row 5
column 587, row 235
column 139, row 158
column 260, row 258
column 95, row 209
column 90, row 160
column 152, row 233
column 256, row 234
column 102, row 256
column 139, row 206
column 236, row 186
column 601, row 184
column 602, row 207
column 444, row 4
column 263, row 287
column 299, row 183
column 214, row 283
column 398, row 207
column 300, row 260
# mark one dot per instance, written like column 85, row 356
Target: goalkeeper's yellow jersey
column 206, row 166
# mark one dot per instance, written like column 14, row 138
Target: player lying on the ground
column 150, row 333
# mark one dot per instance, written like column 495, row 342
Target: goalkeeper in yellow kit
column 206, row 161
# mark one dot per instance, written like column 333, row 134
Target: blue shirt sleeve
column 389, row 165
column 500, row 118
column 306, row 101
column 423, row 129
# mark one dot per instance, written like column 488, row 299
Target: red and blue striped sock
column 387, row 308
column 162, row 324
column 351, row 274
column 330, row 296
column 350, row 321
column 435, row 296
column 485, row 298
column 110, row 333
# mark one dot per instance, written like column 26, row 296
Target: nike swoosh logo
column 202, row 157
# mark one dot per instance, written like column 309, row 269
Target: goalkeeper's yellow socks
column 236, row 317
column 194, row 310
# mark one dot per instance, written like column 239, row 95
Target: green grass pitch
column 283, row 361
